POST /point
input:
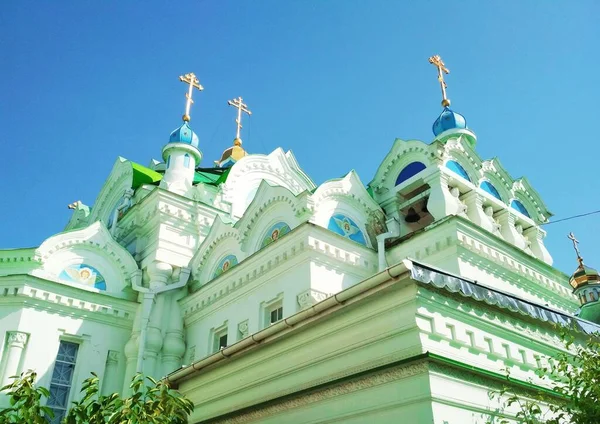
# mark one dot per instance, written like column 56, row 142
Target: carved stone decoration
column 192, row 355
column 377, row 223
column 350, row 386
column 243, row 329
column 112, row 358
column 309, row 297
column 17, row 338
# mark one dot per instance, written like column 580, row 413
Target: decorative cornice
column 335, row 390
column 309, row 297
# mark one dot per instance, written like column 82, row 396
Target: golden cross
column 241, row 107
column 441, row 67
column 571, row 237
column 194, row 83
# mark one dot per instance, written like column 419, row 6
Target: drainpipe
column 393, row 231
column 147, row 302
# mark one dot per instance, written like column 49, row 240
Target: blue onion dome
column 448, row 120
column 184, row 134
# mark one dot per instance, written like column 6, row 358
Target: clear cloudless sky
column 84, row 82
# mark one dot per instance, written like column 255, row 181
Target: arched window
column 457, row 168
column 489, row 188
column 186, row 160
column 168, row 161
column 409, row 170
column 518, row 206
column 582, row 299
column 344, row 226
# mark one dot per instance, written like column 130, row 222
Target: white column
column 111, row 380
column 159, row 273
column 174, row 344
column 536, row 235
column 15, row 347
column 441, row 202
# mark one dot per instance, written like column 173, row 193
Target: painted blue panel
column 225, row 264
column 83, row 274
column 518, row 206
column 489, row 187
column 409, row 170
column 344, row 226
column 457, row 168
column 275, row 232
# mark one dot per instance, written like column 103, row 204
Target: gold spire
column 441, row 67
column 241, row 107
column 571, row 237
column 194, row 83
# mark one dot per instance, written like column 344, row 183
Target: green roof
column 211, row 176
column 143, row 175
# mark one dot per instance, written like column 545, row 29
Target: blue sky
column 334, row 81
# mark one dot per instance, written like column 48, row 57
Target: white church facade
column 267, row 299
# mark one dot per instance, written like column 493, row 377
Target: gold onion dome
column 232, row 154
column 583, row 276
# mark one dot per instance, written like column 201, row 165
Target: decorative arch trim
column 519, row 207
column 490, row 189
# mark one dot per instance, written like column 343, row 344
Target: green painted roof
column 143, row 175
column 211, row 176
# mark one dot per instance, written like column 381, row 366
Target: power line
column 572, row 217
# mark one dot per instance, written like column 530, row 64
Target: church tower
column 181, row 154
column 236, row 152
column 586, row 286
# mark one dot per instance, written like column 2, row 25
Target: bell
column 412, row 216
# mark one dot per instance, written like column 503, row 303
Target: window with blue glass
column 457, row 168
column 409, row 171
column 489, row 188
column 62, row 378
column 168, row 161
column 186, row 161
column 518, row 206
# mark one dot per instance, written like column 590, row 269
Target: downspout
column 393, row 231
column 147, row 302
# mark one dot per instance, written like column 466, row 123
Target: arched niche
column 87, row 258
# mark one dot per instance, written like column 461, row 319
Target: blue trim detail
column 409, row 171
column 489, row 188
column 519, row 207
column 457, row 168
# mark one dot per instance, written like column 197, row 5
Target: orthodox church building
column 267, row 299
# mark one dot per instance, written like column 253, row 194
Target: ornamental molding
column 120, row 313
column 283, row 165
column 112, row 358
column 473, row 318
column 309, row 297
column 243, row 329
column 272, row 257
column 120, row 179
column 521, row 272
column 20, row 256
column 402, row 153
column 337, row 389
column 96, row 238
column 218, row 232
column 266, row 198
column 17, row 338
column 350, row 188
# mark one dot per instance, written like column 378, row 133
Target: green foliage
column 25, row 401
column 155, row 403
column 574, row 377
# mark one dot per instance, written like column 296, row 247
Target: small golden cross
column 571, row 237
column 194, row 83
column 241, row 107
column 441, row 67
